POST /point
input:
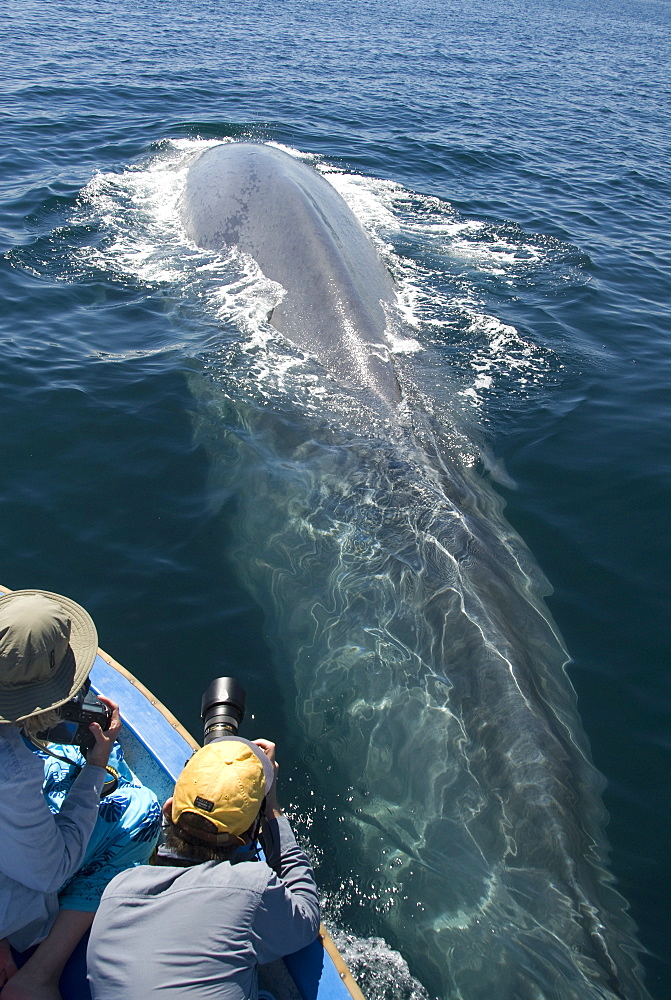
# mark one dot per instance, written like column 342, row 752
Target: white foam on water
column 380, row 971
column 498, row 257
column 138, row 208
column 419, row 237
column 501, row 349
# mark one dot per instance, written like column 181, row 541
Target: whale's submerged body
column 426, row 665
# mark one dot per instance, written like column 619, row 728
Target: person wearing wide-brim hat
column 216, row 909
column 48, row 644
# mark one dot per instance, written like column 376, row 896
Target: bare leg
column 38, row 978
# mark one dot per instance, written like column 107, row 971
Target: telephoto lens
column 222, row 709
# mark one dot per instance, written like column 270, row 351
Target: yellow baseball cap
column 224, row 784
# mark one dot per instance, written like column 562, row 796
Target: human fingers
column 268, row 748
column 272, row 805
column 100, row 751
column 104, row 739
column 114, row 727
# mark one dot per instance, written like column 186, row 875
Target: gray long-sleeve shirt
column 39, row 851
column 200, row 932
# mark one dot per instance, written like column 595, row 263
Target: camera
column 84, row 709
column 222, row 709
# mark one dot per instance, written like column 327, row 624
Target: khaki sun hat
column 224, row 784
column 47, row 647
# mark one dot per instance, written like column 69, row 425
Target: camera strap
column 110, row 785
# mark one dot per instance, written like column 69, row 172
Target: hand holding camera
column 104, row 736
column 272, row 805
column 86, row 709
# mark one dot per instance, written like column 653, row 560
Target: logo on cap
column 202, row 803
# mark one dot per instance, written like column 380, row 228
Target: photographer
column 60, row 844
column 212, row 911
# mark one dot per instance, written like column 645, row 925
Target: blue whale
column 303, row 235
column 409, row 619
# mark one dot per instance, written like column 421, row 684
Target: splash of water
column 438, row 260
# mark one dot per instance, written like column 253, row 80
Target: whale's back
column 304, row 236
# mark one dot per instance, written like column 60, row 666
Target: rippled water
column 511, row 164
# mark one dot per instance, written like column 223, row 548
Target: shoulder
column 154, row 880
column 16, row 760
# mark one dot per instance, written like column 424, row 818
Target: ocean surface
column 511, row 163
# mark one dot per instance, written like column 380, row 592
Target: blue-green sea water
column 511, row 162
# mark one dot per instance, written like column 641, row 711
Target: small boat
column 156, row 747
